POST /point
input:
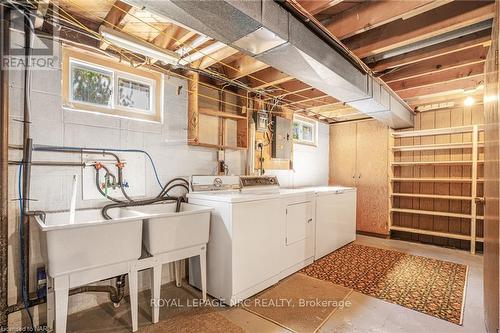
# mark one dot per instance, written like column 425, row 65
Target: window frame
column 314, row 126
column 119, row 70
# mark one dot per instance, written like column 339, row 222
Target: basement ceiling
column 426, row 51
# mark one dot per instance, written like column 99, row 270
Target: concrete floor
column 367, row 314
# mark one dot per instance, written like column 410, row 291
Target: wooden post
column 193, row 114
column 390, row 175
column 473, row 221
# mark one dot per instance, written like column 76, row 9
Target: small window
column 134, row 95
column 97, row 84
column 91, row 85
column 304, row 131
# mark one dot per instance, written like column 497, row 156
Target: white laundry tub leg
column 177, row 268
column 203, row 271
column 133, row 291
column 61, row 289
column 50, row 304
column 155, row 287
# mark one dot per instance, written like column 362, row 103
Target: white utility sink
column 167, row 230
column 91, row 241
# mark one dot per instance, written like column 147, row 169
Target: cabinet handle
column 309, row 221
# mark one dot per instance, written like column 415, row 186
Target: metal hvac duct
column 268, row 32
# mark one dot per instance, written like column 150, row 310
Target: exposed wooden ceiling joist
column 243, row 66
column 372, row 14
column 468, row 41
column 452, row 96
column 169, row 35
column 316, row 6
column 438, row 21
column 440, row 76
column 451, row 60
column 267, row 77
column 116, row 14
column 182, row 39
column 212, row 59
column 467, row 83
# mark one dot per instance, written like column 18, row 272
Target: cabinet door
column 298, row 244
column 298, row 220
column 371, row 177
column 342, row 154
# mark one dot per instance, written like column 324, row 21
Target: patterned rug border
column 464, row 292
column 284, row 326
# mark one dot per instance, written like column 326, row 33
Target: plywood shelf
column 432, row 233
column 435, row 180
column 215, row 113
column 429, row 212
column 432, row 163
column 431, row 196
column 208, row 145
column 437, row 131
column 437, row 146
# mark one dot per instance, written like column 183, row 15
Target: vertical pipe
column 27, row 153
column 28, row 146
column 4, row 145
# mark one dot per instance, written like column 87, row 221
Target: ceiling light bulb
column 469, row 101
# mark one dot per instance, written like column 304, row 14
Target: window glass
column 304, row 131
column 133, row 94
column 296, row 130
column 307, row 132
column 91, row 85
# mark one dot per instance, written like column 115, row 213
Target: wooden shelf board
column 429, row 212
column 434, row 163
column 216, row 113
column 435, row 180
column 209, row 145
column 437, row 131
column 432, row 233
column 431, row 196
column 437, row 146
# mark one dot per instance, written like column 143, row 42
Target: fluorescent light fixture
column 137, row 45
column 201, row 53
column 469, row 101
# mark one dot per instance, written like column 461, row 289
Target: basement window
column 98, row 84
column 304, row 131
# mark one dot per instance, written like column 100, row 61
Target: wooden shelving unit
column 447, row 158
column 217, row 118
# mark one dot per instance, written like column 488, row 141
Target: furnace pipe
column 4, row 162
